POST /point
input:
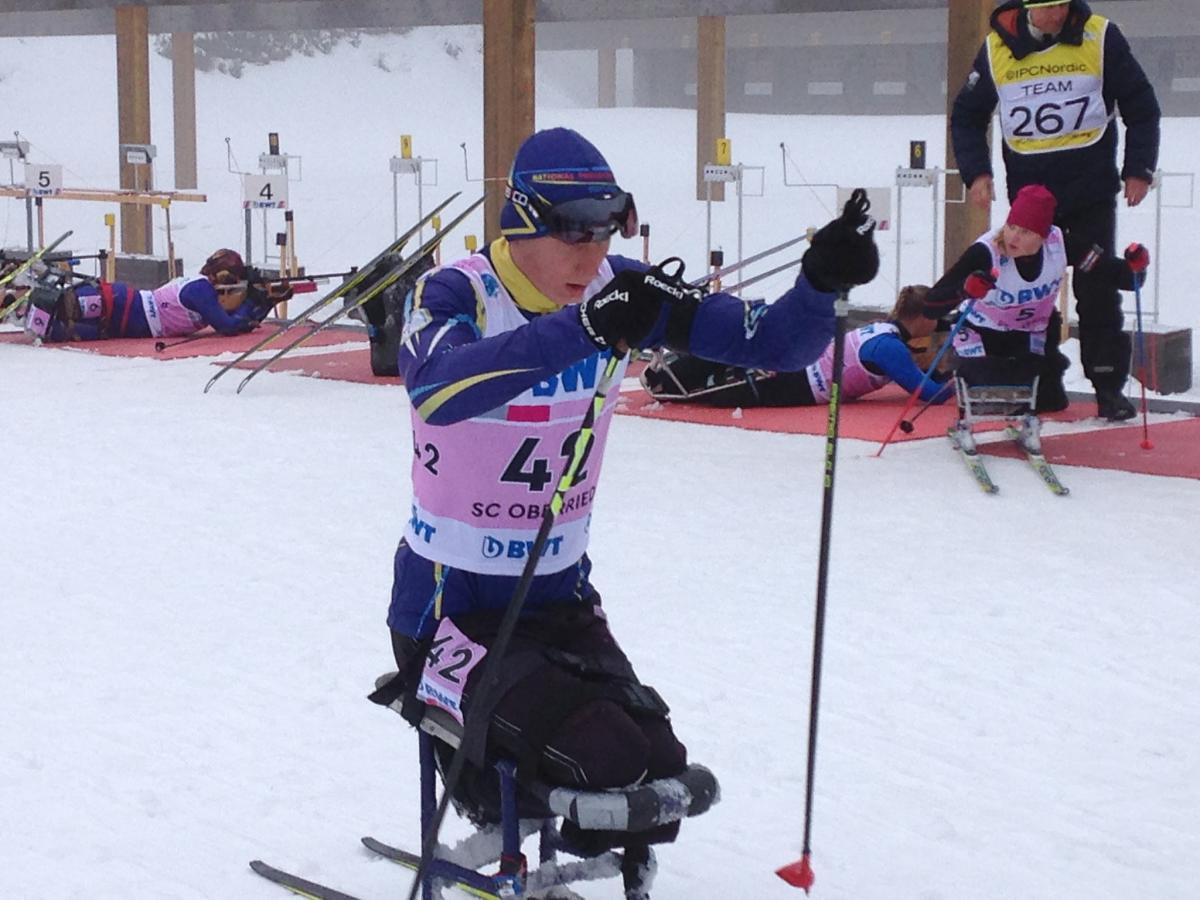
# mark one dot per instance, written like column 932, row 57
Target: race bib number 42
column 451, row 658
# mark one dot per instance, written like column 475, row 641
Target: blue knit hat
column 554, row 169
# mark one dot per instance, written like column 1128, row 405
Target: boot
column 638, row 867
column 1031, row 434
column 1113, row 405
column 964, row 436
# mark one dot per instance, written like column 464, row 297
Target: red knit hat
column 1033, row 208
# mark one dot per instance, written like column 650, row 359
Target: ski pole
column 1147, row 444
column 374, row 288
column 490, row 675
column 160, row 346
column 907, row 425
column 718, row 274
column 799, row 874
column 741, row 285
column 912, row 398
column 337, row 293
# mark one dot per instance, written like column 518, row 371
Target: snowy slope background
column 195, row 585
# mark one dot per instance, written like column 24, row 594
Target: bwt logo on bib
column 1027, row 295
column 494, row 548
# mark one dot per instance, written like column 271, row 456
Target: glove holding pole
column 622, row 314
column 979, row 284
column 1137, row 257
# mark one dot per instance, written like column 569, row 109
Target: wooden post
column 183, row 81
column 133, row 118
column 110, row 261
column 41, row 223
column 606, row 77
column 293, row 263
column 171, row 269
column 283, row 242
column 710, row 98
column 508, row 84
column 968, row 26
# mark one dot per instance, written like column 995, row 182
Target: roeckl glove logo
column 865, row 228
column 675, row 291
column 615, row 296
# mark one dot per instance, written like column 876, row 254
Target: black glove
column 622, row 313
column 843, row 253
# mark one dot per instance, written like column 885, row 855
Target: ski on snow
column 413, row 861
column 970, row 456
column 301, row 887
column 1036, row 459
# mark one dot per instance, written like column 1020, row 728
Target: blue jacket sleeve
column 201, row 297
column 453, row 373
column 971, row 120
column 784, row 336
column 890, row 356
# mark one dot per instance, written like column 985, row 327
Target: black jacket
column 1081, row 176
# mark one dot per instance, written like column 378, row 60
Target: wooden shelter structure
column 509, row 64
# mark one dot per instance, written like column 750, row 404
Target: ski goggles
column 591, row 219
column 1034, row 4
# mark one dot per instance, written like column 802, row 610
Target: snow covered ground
column 195, row 585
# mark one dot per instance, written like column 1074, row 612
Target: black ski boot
column 1111, row 404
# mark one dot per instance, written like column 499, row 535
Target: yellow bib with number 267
column 1052, row 99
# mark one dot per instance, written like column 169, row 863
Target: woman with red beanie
column 1014, row 273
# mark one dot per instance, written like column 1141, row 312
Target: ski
column 974, row 463
column 23, row 267
column 1038, row 461
column 302, row 887
column 337, row 293
column 373, row 290
column 413, row 861
column 549, row 879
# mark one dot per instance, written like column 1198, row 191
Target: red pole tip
column 798, row 874
column 1147, row 444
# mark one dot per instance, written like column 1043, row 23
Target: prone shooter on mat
column 227, row 295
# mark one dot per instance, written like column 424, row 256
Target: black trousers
column 563, row 708
column 726, row 387
column 1104, row 347
column 1049, row 365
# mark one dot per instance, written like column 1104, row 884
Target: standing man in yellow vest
column 1059, row 74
